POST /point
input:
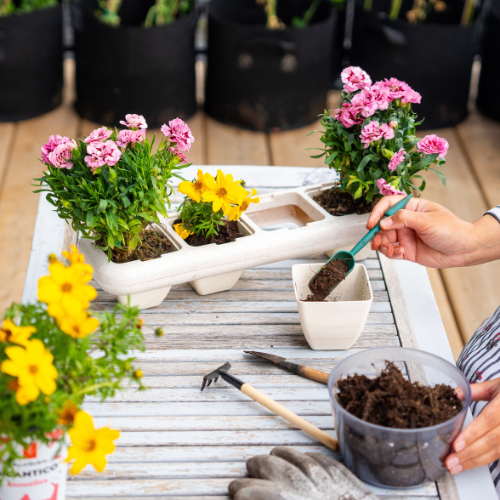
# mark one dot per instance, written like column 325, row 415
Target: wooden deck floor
column 465, row 296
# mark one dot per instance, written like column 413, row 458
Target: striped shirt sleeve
column 495, row 212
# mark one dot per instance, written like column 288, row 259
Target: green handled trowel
column 348, row 257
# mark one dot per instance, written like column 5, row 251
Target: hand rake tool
column 270, row 404
column 348, row 257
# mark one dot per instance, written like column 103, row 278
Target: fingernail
column 456, row 470
column 386, row 223
column 397, row 250
column 459, row 446
column 452, row 462
column 384, row 249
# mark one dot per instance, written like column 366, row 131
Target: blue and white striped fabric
column 480, row 360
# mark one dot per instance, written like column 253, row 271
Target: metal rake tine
column 203, row 384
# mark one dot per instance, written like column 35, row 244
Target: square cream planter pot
column 337, row 322
column 312, row 191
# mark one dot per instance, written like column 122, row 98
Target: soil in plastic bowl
column 390, row 400
column 329, row 277
column 337, row 202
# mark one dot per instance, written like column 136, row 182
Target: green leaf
column 440, row 175
column 102, row 206
column 90, row 221
column 365, row 160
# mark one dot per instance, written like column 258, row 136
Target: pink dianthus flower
column 177, row 131
column 354, row 78
column 412, row 97
column 54, row 142
column 397, row 159
column 135, row 122
column 102, row 153
column 386, row 189
column 373, row 132
column 432, row 144
column 347, row 115
column 396, row 88
column 60, row 156
column 126, row 137
column 99, row 134
column 365, row 102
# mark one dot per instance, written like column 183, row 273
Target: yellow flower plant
column 208, row 200
column 15, row 334
column 88, row 444
column 46, row 369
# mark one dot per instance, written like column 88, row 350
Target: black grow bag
column 131, row 69
column 488, row 98
column 435, row 59
column 31, row 64
column 265, row 79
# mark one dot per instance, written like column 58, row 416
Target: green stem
column 368, row 5
column 395, row 8
column 94, row 388
column 468, row 12
column 310, row 12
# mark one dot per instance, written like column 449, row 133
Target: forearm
column 486, row 237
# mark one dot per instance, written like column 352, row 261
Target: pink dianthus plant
column 111, row 185
column 370, row 140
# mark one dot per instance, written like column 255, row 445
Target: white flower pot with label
column 42, row 474
column 337, row 322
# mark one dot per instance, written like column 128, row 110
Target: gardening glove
column 287, row 474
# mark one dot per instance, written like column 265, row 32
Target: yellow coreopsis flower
column 236, row 212
column 32, row 365
column 88, row 444
column 194, row 189
column 79, row 325
column 15, row 334
column 223, row 192
column 66, row 291
column 75, row 257
column 182, row 231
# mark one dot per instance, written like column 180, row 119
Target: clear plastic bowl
column 397, row 458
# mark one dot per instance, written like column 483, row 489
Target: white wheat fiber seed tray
column 318, row 232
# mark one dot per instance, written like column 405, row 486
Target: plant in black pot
column 31, row 71
column 428, row 43
column 269, row 62
column 135, row 55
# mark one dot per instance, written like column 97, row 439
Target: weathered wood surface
column 178, row 441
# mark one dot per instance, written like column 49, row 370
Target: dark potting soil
column 337, row 202
column 390, row 400
column 329, row 277
column 227, row 232
column 152, row 246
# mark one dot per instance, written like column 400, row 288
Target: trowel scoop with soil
column 338, row 267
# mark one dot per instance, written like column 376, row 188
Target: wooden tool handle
column 313, row 374
column 294, row 419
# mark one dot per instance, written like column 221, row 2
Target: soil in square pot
column 227, row 233
column 488, row 101
column 31, row 64
column 411, row 452
column 264, row 79
column 132, row 69
column 435, row 58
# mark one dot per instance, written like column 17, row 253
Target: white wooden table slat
column 179, row 443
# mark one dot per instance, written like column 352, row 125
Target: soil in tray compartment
column 152, row 246
column 337, row 202
column 227, row 232
column 392, row 401
column 328, row 278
